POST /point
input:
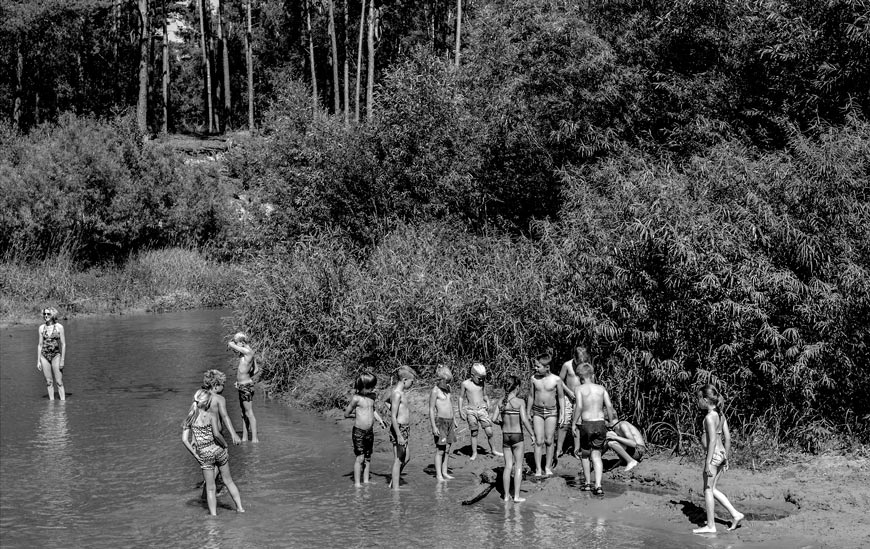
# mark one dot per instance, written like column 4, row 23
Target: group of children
column 208, row 414
column 548, row 408
column 571, row 400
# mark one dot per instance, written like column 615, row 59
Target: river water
column 107, row 467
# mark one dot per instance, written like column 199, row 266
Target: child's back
column 591, row 399
column 365, row 409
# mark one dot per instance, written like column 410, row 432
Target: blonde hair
column 212, row 378
column 201, row 401
column 586, row 371
column 51, row 311
column 240, row 337
column 403, row 373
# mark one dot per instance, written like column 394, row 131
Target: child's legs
column 540, row 428
column 399, row 455
column 367, row 468
column 210, row 492
column 709, row 501
column 620, row 451
column 473, row 427
column 231, row 486
column 46, row 372
column 58, row 377
column 508, row 471
column 587, row 469
column 517, row 451
column 560, row 439
column 720, row 497
column 439, row 459
column 357, row 469
column 250, row 419
column 598, row 466
column 550, row 433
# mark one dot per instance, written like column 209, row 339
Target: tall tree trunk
column 116, row 37
column 37, row 118
column 311, row 57
column 19, row 86
column 336, row 84
column 225, row 61
column 214, row 65
column 250, row 62
column 370, row 81
column 346, row 67
column 165, row 76
column 209, row 113
column 359, row 50
column 144, row 39
column 458, row 30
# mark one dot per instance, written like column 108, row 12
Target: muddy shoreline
column 818, row 501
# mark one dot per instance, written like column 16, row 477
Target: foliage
column 93, row 189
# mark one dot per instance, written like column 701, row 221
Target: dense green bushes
column 93, row 190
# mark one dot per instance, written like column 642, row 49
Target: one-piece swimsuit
column 50, row 342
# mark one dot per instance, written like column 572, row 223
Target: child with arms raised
column 400, row 428
column 209, row 448
column 442, row 420
column 717, row 445
column 592, row 401
column 362, row 406
column 474, row 407
column 513, row 418
column 548, row 395
column 245, row 384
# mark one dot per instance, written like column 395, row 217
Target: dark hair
column 511, row 382
column 365, row 383
column 544, row 358
column 712, row 395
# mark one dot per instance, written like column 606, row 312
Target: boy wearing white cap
column 474, row 407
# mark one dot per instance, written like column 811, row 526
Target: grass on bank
column 155, row 280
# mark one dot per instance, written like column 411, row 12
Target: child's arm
column 578, row 407
column 496, row 411
column 395, row 401
column 244, row 349
column 216, row 429
column 461, row 397
column 726, row 436
column 378, row 418
column 611, row 435
column 531, row 399
column 567, row 391
column 433, row 399
column 524, row 418
column 349, row 410
column 185, row 438
column 710, row 431
column 560, row 397
column 225, row 418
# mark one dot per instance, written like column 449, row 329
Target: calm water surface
column 107, row 468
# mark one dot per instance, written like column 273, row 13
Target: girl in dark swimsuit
column 513, row 419
column 209, row 448
column 50, row 353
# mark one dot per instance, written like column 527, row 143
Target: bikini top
column 510, row 411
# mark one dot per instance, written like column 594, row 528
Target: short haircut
column 544, row 358
column 213, row 378
column 586, row 371
column 404, row 372
column 239, row 337
column 581, row 355
column 443, row 372
column 365, row 382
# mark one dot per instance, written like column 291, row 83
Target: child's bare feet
column 240, row 509
column 496, row 452
column 518, row 499
column 538, row 473
column 735, row 522
column 255, row 440
column 506, row 499
column 473, row 457
column 705, row 530
column 631, row 466
column 448, row 477
column 549, row 472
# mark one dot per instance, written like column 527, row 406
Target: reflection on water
column 107, row 467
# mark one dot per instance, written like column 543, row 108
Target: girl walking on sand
column 717, row 442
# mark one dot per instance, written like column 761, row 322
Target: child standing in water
column 213, row 381
column 362, row 405
column 513, row 419
column 442, row 420
column 209, row 448
column 475, row 410
column 245, row 384
column 592, row 401
column 717, row 442
column 400, row 428
column 548, row 395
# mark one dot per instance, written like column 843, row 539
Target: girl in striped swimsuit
column 209, row 448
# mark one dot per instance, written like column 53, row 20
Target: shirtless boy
column 569, row 377
column 625, row 439
column 442, row 420
column 362, row 408
column 400, row 428
column 548, row 396
column 474, row 408
column 245, row 383
column 592, row 400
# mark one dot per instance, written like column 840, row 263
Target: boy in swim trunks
column 474, row 408
column 625, row 439
column 566, row 423
column 442, row 420
column 362, row 407
column 400, row 428
column 245, row 383
column 548, row 395
column 592, row 400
